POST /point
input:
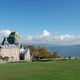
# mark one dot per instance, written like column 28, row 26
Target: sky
column 42, row 19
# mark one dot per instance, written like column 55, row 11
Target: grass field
column 56, row 70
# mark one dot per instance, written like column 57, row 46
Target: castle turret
column 13, row 38
column 28, row 55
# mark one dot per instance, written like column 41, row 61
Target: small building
column 24, row 54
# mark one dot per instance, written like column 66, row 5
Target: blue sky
column 42, row 19
column 34, row 16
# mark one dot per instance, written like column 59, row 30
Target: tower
column 13, row 38
column 28, row 55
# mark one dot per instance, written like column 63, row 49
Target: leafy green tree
column 42, row 53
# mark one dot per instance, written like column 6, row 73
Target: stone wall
column 12, row 53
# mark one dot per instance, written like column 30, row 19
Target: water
column 65, row 50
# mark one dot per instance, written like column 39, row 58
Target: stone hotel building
column 10, row 48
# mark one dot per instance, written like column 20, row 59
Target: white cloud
column 47, row 37
column 26, row 39
column 45, row 34
column 44, row 37
column 65, row 37
column 4, row 33
column 29, row 37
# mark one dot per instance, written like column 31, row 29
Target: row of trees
column 42, row 53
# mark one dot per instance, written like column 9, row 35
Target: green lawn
column 56, row 70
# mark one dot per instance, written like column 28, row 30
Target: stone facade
column 14, row 53
column 10, row 51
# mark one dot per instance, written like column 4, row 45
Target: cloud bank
column 45, row 38
column 4, row 33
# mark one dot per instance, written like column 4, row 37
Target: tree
column 55, row 55
column 32, row 48
column 42, row 53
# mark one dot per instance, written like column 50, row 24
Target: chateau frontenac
column 10, row 48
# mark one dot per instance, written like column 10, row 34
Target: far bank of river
column 65, row 50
